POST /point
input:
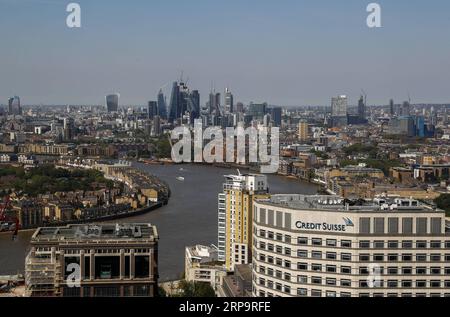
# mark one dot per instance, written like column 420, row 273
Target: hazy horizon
column 293, row 53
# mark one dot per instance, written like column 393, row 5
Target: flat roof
column 337, row 203
column 85, row 232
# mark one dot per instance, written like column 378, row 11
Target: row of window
column 379, row 244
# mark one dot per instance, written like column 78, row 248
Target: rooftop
column 337, row 203
column 79, row 232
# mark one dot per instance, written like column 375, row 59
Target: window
column 364, row 244
column 435, row 244
column 392, row 283
column 302, row 291
column 302, row 279
column 287, row 289
column 421, row 270
column 262, row 233
column 435, row 283
column 345, row 294
column 270, row 272
column 331, row 243
column 392, row 270
column 421, row 257
column 436, row 257
column 407, row 284
column 363, row 283
column 316, row 293
column 316, row 241
column 346, row 283
column 378, row 244
column 421, row 244
column 378, row 257
column 262, row 282
column 331, row 294
column 407, row 244
column 279, row 237
column 302, row 241
column 270, row 235
column 363, row 271
column 346, row 244
column 435, row 270
column 346, row 270
column 331, row 255
column 407, row 257
column 302, row 266
column 316, row 280
column 287, row 239
column 287, row 251
column 287, row 264
column 407, row 270
column 316, row 267
column 279, row 249
column 364, row 257
column 421, row 283
column 279, row 261
column 346, row 257
column 302, row 253
column 316, row 255
column 392, row 257
column 392, row 244
column 331, row 268
column 331, row 281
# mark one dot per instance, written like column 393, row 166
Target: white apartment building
column 321, row 246
column 201, row 265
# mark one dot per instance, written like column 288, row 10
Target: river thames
column 190, row 217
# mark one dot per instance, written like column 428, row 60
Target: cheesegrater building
column 325, row 246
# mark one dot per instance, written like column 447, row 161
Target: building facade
column 235, row 217
column 316, row 246
column 93, row 261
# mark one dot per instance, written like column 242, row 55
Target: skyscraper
column 339, row 111
column 229, row 106
column 339, row 106
column 152, row 109
column 182, row 100
column 391, row 107
column 235, row 217
column 14, row 106
column 112, row 102
column 275, row 113
column 162, row 108
column 361, row 109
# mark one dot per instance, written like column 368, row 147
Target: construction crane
column 8, row 223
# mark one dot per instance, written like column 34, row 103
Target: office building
column 391, row 107
column 162, row 108
column 14, row 107
column 276, row 113
column 112, row 102
column 257, row 111
column 229, row 106
column 339, row 111
column 235, row 217
column 361, row 109
column 323, row 246
column 152, row 109
column 112, row 261
column 183, row 101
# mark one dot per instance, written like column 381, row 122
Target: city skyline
column 300, row 53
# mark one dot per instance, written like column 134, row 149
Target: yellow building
column 303, row 133
column 235, row 217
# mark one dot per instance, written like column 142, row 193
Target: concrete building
column 303, row 133
column 201, row 265
column 235, row 217
column 316, row 246
column 93, row 261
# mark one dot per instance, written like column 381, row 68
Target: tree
column 443, row 202
column 196, row 289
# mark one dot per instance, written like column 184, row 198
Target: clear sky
column 285, row 52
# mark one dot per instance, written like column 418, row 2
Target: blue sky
column 286, row 52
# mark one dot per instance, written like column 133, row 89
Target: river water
column 190, row 217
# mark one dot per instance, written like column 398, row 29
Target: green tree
column 443, row 202
column 196, row 289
